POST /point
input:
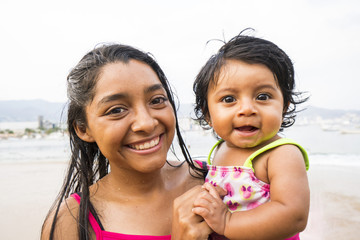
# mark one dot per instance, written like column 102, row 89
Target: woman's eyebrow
column 153, row 88
column 119, row 96
column 112, row 97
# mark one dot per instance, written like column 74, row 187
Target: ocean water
column 14, row 150
column 324, row 147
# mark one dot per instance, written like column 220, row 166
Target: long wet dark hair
column 251, row 50
column 87, row 163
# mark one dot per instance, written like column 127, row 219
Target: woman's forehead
column 126, row 78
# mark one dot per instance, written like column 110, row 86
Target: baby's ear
column 83, row 132
column 208, row 119
column 286, row 107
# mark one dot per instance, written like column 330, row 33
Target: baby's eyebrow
column 268, row 86
column 222, row 91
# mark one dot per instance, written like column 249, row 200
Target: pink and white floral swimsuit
column 244, row 190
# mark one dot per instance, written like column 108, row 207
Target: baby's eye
column 263, row 97
column 228, row 99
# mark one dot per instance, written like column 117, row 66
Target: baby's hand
column 210, row 206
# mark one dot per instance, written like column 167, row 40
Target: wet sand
column 335, row 203
column 28, row 190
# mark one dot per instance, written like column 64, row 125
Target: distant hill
column 312, row 112
column 30, row 110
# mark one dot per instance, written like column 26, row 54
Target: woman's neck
column 121, row 195
column 130, row 183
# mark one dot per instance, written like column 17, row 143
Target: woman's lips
column 146, row 145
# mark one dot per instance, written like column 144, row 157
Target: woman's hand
column 210, row 206
column 186, row 225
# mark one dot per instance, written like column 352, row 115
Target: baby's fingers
column 204, row 199
column 217, row 192
column 201, row 211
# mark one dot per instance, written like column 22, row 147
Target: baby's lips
column 247, row 128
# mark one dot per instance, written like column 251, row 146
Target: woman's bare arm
column 66, row 224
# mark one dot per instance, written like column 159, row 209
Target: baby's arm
column 285, row 215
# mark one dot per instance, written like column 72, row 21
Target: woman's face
column 130, row 117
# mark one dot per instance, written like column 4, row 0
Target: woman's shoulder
column 66, row 221
column 182, row 173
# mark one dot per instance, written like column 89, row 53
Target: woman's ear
column 83, row 132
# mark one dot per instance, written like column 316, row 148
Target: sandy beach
column 28, row 190
column 335, row 203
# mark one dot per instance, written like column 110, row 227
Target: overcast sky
column 42, row 40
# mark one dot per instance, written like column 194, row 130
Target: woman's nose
column 143, row 121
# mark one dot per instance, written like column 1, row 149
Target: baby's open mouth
column 247, row 128
column 146, row 145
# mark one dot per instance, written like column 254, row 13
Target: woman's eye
column 158, row 100
column 116, row 110
column 228, row 99
column 263, row 97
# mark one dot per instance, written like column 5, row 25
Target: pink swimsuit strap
column 94, row 224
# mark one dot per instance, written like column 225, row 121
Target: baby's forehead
column 238, row 68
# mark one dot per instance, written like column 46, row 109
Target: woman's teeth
column 146, row 145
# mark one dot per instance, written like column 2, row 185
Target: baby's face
column 245, row 105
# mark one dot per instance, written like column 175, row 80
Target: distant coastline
column 30, row 110
column 39, row 118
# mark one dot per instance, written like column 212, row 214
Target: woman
column 121, row 115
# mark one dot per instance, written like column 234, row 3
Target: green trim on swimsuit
column 212, row 149
column 279, row 142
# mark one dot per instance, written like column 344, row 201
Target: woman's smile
column 146, row 144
